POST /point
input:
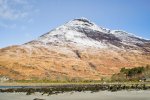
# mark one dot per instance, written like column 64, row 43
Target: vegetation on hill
column 132, row 74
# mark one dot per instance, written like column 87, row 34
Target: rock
column 4, row 79
column 38, row 99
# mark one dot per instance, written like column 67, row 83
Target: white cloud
column 14, row 9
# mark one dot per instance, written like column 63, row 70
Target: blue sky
column 24, row 20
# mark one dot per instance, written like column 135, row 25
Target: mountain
column 79, row 49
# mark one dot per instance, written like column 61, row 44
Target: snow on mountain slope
column 70, row 33
column 84, row 33
column 127, row 37
column 64, row 36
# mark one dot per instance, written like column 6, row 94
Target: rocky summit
column 79, row 49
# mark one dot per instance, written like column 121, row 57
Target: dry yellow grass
column 19, row 64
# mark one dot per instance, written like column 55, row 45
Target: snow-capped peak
column 73, row 33
column 82, row 32
column 80, row 23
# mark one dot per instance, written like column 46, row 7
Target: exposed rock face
column 78, row 49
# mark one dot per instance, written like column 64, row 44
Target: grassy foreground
column 69, row 83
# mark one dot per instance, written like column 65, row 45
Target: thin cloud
column 21, row 1
column 3, row 25
column 14, row 9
